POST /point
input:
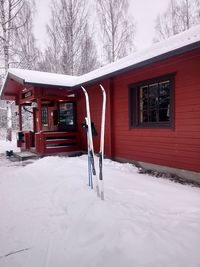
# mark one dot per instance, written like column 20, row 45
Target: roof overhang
column 144, row 63
column 14, row 83
column 179, row 44
column 10, row 87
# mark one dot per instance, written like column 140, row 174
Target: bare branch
column 11, row 18
column 179, row 16
column 66, row 34
column 117, row 30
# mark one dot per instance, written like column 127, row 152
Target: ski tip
column 83, row 88
column 102, row 88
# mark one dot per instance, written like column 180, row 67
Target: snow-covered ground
column 6, row 145
column 50, row 217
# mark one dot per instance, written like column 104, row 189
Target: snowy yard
column 49, row 217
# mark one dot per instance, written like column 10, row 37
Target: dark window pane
column 164, row 88
column 144, row 90
column 164, row 92
column 143, row 116
column 164, row 115
column 144, row 97
column 66, row 113
column 44, row 116
column 153, row 95
column 152, row 116
column 66, row 116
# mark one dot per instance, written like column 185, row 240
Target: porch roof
column 24, row 76
column 178, row 44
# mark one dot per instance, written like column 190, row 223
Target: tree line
column 72, row 41
column 179, row 16
column 74, row 47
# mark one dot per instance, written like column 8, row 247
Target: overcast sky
column 143, row 11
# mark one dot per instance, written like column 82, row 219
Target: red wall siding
column 178, row 147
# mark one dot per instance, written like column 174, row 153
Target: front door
column 49, row 117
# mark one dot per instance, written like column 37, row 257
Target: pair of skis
column 91, row 160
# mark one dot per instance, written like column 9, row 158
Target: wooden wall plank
column 178, row 147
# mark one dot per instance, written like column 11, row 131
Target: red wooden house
column 153, row 106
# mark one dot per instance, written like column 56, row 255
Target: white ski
column 101, row 149
column 91, row 164
column 90, row 182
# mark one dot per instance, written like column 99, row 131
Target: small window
column 44, row 116
column 151, row 103
column 67, row 116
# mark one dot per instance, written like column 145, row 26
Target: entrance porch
column 53, row 108
column 54, row 122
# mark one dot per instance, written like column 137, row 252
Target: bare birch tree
column 26, row 53
column 17, row 43
column 179, row 16
column 51, row 60
column 88, row 54
column 9, row 10
column 117, row 28
column 15, row 29
column 66, row 32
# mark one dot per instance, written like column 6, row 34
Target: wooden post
column 39, row 115
column 20, row 117
column 34, row 120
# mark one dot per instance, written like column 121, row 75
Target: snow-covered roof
column 177, row 44
column 174, row 43
column 39, row 77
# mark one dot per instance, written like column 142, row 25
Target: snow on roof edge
column 41, row 77
column 176, row 42
column 173, row 43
